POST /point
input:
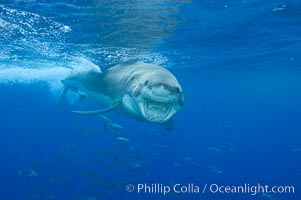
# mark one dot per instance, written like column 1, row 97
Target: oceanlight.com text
column 250, row 189
column 192, row 188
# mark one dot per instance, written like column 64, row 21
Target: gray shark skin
column 139, row 90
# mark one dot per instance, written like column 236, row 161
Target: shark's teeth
column 156, row 111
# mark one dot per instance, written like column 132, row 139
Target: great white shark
column 139, row 90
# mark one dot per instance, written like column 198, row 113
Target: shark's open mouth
column 156, row 111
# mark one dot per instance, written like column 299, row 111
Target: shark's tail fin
column 72, row 90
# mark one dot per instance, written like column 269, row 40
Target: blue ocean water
column 238, row 63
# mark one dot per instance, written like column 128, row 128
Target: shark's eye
column 146, row 83
column 136, row 93
column 177, row 90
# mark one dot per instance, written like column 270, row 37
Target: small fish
column 186, row 158
column 247, row 125
column 135, row 164
column 64, row 155
column 86, row 132
column 29, row 173
column 85, row 198
column 151, row 131
column 269, row 196
column 18, row 150
column 156, row 154
column 177, row 165
column 105, row 118
column 106, row 153
column 227, row 126
column 114, row 162
column 121, row 146
column 195, row 164
column 57, row 178
column 116, row 128
column 92, row 174
column 191, row 139
column 106, row 125
column 233, row 150
column 230, row 147
column 134, row 171
column 122, row 139
column 136, row 159
column 214, row 149
column 279, row 8
column 45, row 196
column 162, row 146
column 296, row 149
column 215, row 170
column 229, row 144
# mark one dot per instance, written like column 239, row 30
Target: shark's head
column 156, row 95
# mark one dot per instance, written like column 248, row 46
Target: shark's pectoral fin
column 97, row 112
column 60, row 98
column 169, row 125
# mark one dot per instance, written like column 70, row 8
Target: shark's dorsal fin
column 97, row 112
column 129, row 61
